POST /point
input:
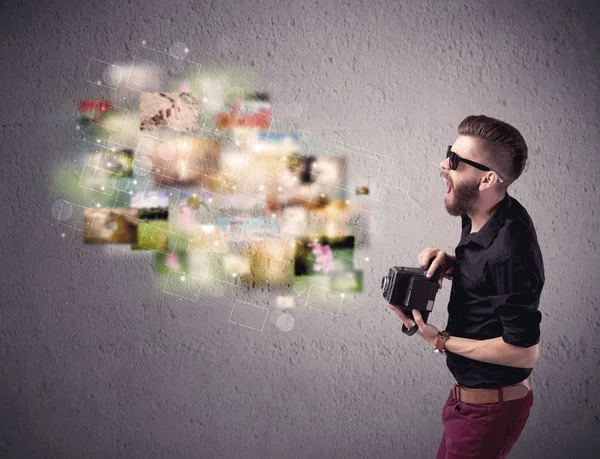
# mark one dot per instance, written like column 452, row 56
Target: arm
column 494, row 350
column 514, row 294
column 515, row 287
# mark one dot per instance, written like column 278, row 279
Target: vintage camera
column 408, row 289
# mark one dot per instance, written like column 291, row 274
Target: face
column 463, row 183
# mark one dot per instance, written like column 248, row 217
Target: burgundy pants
column 482, row 431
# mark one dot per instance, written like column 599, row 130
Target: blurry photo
column 246, row 218
column 171, row 111
column 100, row 118
column 110, row 226
column 149, row 199
column 153, row 229
column 205, row 239
column 309, row 181
column 323, row 255
column 171, row 262
column 111, row 162
column 271, row 262
column 251, row 111
column 192, row 210
column 182, row 161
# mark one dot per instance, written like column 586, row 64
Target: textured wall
column 94, row 364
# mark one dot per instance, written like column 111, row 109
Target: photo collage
column 216, row 194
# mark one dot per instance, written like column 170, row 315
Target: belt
column 506, row 393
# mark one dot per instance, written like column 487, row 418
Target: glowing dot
column 182, row 278
column 143, row 42
column 367, row 259
column 205, row 99
column 62, row 235
column 98, row 205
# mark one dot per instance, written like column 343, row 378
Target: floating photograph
column 172, row 111
column 271, row 262
column 252, row 110
column 153, row 228
column 181, row 161
column 166, row 262
column 323, row 255
column 110, row 226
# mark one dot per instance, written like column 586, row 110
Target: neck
column 483, row 211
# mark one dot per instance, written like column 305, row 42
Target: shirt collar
column 488, row 231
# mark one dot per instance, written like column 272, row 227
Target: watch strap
column 440, row 344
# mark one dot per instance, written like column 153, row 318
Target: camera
column 408, row 289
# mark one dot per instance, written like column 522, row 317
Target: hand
column 441, row 258
column 426, row 331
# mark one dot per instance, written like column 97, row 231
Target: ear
column 487, row 181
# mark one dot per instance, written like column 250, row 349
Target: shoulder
column 517, row 236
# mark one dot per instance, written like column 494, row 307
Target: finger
column 434, row 264
column 418, row 319
column 424, row 257
column 405, row 320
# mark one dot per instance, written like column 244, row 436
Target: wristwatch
column 440, row 344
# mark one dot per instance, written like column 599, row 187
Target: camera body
column 408, row 289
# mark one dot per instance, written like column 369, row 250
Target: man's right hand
column 441, row 259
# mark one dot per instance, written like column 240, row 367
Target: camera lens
column 384, row 282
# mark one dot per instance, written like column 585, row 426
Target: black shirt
column 496, row 287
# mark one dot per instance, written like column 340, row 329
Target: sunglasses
column 455, row 159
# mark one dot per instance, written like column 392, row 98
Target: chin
column 452, row 210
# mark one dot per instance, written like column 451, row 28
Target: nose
column 445, row 164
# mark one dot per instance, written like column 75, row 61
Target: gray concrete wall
column 95, row 364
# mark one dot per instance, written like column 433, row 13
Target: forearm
column 493, row 350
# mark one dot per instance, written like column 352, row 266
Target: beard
column 463, row 198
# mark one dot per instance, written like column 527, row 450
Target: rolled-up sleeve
column 515, row 289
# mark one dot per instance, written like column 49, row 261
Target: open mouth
column 449, row 190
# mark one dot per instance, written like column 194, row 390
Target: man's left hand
column 428, row 332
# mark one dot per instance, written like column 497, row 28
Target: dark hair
column 503, row 147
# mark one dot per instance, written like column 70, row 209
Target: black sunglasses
column 455, row 159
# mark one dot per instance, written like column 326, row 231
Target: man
column 491, row 338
